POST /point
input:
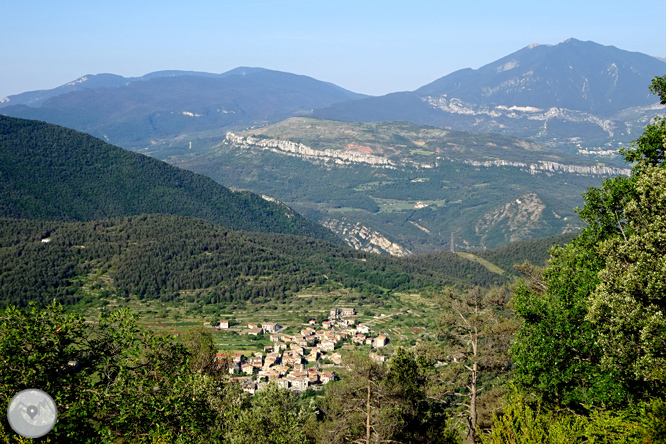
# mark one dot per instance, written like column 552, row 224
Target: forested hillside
column 534, row 251
column 158, row 256
column 52, row 173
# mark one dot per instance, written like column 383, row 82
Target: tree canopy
column 593, row 332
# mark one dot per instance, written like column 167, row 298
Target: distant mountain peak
column 133, row 111
column 79, row 80
column 577, row 75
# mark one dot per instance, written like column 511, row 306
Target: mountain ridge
column 577, row 97
column 133, row 113
column 567, row 67
column 110, row 80
column 54, row 173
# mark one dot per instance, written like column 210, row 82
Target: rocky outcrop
column 547, row 166
column 363, row 238
column 457, row 106
column 578, row 169
column 340, row 157
column 517, row 220
column 347, row 157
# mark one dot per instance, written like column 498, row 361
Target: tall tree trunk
column 471, row 421
column 367, row 420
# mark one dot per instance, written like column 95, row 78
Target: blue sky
column 372, row 47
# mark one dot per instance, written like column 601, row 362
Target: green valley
column 399, row 188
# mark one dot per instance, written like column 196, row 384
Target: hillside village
column 303, row 360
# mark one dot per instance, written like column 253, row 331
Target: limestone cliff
column 303, row 151
column 516, row 220
column 364, row 238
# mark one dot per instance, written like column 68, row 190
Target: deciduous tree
column 628, row 306
column 592, row 331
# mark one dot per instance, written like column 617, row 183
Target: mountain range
column 137, row 112
column 574, row 96
column 539, row 127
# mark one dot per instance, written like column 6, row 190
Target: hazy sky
column 372, row 47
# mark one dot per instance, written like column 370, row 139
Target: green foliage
column 159, row 256
column 593, row 333
column 628, row 305
column 273, row 416
column 555, row 351
column 534, row 251
column 658, row 87
column 650, row 148
column 111, row 381
column 475, row 329
column 376, row 403
column 54, row 173
column 526, row 421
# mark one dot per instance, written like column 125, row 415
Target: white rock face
column 547, row 166
column 520, row 217
column 578, row 169
column 363, row 238
column 457, row 106
column 507, row 66
column 270, row 199
column 79, row 80
column 303, row 151
column 342, row 157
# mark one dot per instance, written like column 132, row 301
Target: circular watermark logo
column 32, row 413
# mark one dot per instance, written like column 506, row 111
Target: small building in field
column 270, row 327
column 347, row 312
column 380, row 341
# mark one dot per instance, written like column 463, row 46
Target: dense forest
column 52, row 173
column 534, row 251
column 157, row 256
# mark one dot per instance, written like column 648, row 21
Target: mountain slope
column 169, row 257
column 90, row 81
column 50, row 172
column 576, row 75
column 578, row 97
column 133, row 112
